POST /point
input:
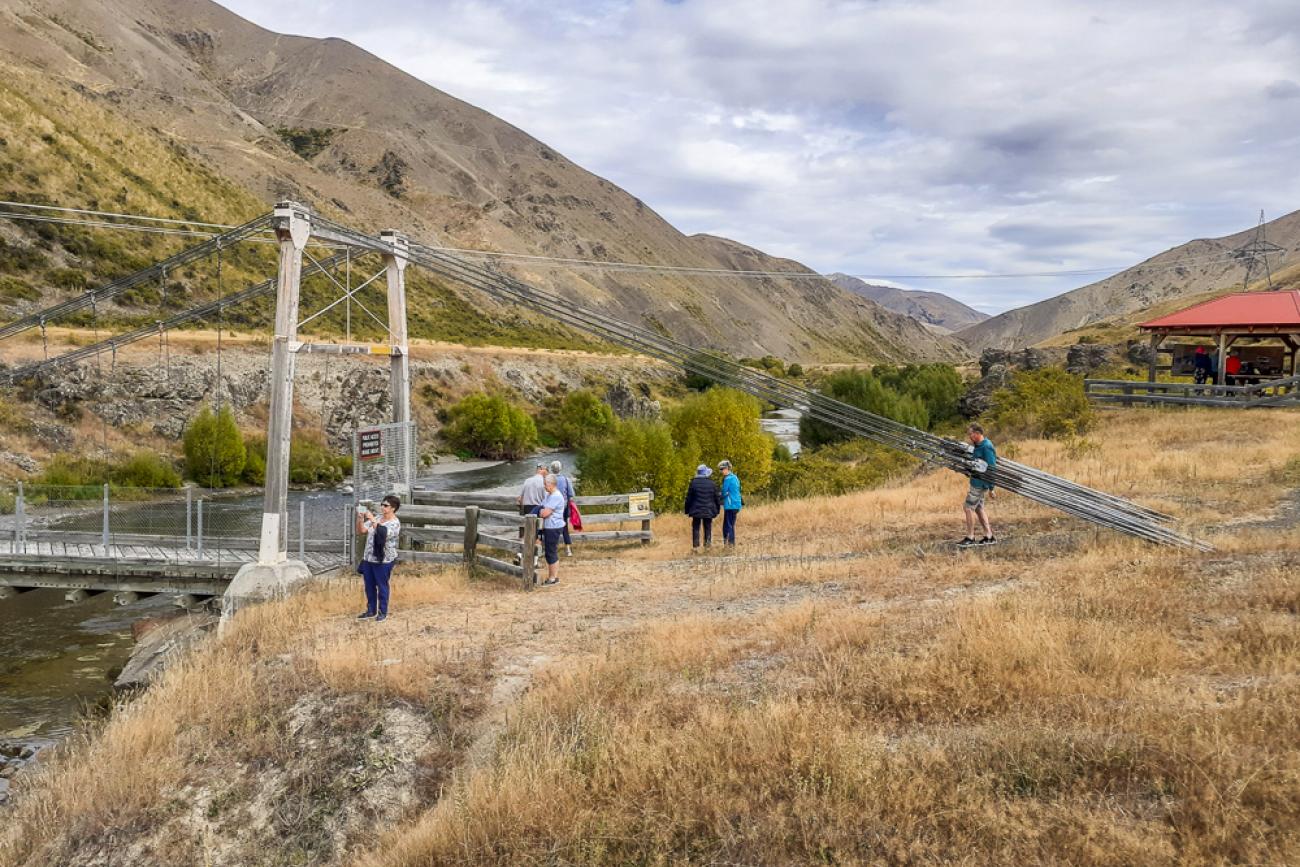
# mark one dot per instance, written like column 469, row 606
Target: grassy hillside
column 843, row 688
column 59, row 146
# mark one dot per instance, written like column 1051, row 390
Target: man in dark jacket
column 703, row 502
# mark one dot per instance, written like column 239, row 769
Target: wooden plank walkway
column 135, row 568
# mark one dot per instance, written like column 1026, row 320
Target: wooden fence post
column 645, row 525
column 471, row 534
column 530, row 551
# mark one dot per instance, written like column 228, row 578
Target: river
column 58, row 659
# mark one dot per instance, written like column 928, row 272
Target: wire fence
column 180, row 524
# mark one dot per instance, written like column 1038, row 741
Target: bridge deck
column 138, row 568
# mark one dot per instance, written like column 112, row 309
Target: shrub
column 578, row 419
column 68, row 278
column 639, row 454
column 306, row 142
column 146, row 469
column 862, row 389
column 795, row 370
column 67, row 470
column 938, row 386
column 214, row 449
column 1048, row 402
column 14, row 289
column 836, row 470
column 724, row 423
column 490, row 427
column 311, row 462
column 254, row 472
column 84, row 476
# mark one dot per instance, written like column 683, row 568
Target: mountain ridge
column 385, row 149
column 1187, row 271
column 941, row 312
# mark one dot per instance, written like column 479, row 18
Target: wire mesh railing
column 187, row 524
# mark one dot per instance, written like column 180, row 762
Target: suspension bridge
column 293, row 228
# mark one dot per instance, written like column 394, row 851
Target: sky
column 898, row 137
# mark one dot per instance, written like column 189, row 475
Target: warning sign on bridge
column 370, row 444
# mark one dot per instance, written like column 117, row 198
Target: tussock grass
column 842, row 688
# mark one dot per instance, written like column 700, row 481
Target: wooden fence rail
column 482, row 523
column 1276, row 392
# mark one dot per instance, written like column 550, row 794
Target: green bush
column 1048, row 402
column 14, row 289
column 146, row 469
column 795, row 370
column 488, row 426
column 639, row 454
column 724, row 423
column 311, row 462
column 254, row 472
column 214, row 449
column 577, row 419
column 84, row 477
column 938, row 386
column 836, row 470
column 68, row 278
column 861, row 388
column 306, row 142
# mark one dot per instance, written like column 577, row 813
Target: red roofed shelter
column 1257, row 316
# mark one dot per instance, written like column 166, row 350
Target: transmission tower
column 1255, row 252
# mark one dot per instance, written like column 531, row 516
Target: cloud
column 904, row 137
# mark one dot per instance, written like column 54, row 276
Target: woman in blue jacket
column 732, row 502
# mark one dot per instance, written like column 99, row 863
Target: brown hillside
column 327, row 123
column 1182, row 273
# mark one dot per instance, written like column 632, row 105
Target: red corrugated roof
column 1245, row 309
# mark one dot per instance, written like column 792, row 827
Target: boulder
column 1084, row 358
column 630, row 400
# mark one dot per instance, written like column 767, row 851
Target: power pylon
column 1254, row 252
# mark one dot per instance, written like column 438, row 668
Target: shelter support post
column 1220, row 376
column 1156, row 340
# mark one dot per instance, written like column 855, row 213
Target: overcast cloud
column 924, row 137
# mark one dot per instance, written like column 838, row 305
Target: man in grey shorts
column 979, row 489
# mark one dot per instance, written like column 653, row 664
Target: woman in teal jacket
column 732, row 502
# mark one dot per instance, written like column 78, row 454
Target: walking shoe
column 968, row 542
column 568, row 552
column 365, row 615
column 988, row 540
column 383, row 616
column 549, row 581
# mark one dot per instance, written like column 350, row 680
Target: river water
column 58, row 659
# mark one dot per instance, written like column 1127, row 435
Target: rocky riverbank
column 147, row 395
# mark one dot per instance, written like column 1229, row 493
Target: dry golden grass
column 843, row 688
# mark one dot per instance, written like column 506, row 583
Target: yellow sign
column 638, row 504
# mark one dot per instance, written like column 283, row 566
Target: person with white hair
column 552, row 515
column 564, row 485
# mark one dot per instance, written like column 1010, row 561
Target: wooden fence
column 490, row 533
column 1276, row 392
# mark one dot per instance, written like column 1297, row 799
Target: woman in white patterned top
column 379, row 555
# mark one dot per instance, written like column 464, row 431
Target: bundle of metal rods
column 1090, row 505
